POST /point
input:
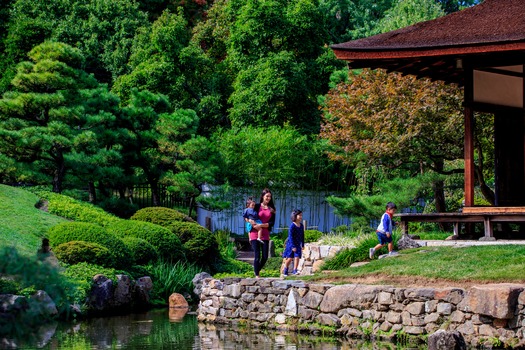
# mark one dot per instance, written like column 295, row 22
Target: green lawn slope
column 22, row 225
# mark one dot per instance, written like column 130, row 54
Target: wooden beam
column 469, row 138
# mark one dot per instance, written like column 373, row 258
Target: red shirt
column 264, row 216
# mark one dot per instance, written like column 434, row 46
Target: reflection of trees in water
column 218, row 336
column 151, row 330
column 155, row 330
column 223, row 337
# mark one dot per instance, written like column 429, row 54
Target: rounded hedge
column 141, row 250
column 75, row 252
column 312, row 236
column 167, row 244
column 200, row 243
column 79, row 211
column 83, row 231
column 160, row 216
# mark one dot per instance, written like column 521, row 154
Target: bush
column 83, row 231
column 160, row 216
column 75, row 252
column 8, row 286
column 82, row 274
column 312, row 236
column 200, row 244
column 141, row 250
column 226, row 244
column 70, row 208
column 163, row 240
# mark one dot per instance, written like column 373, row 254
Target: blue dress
column 295, row 240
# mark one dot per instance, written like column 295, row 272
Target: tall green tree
column 277, row 49
column 353, row 19
column 95, row 158
column 165, row 62
column 277, row 157
column 102, row 30
column 407, row 12
column 47, row 113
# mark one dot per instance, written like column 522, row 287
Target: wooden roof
column 490, row 34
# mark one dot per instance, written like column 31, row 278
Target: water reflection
column 159, row 329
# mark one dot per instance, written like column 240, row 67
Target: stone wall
column 483, row 315
column 313, row 256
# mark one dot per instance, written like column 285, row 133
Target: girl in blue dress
column 294, row 243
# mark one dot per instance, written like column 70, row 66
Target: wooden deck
column 485, row 215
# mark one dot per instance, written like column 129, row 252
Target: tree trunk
column 92, row 192
column 155, row 193
column 59, row 173
column 192, row 200
column 486, row 191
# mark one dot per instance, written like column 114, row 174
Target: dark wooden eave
column 487, row 35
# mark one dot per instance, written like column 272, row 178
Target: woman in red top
column 266, row 210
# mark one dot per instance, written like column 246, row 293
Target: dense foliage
column 141, row 250
column 159, row 215
column 83, row 231
column 167, row 244
column 75, row 252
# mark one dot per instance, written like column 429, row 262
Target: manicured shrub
column 201, row 246
column 141, row 250
column 167, row 244
column 70, row 208
column 160, row 216
column 312, row 236
column 83, row 231
column 75, row 252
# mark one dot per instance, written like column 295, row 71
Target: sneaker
column 260, row 240
column 393, row 252
column 295, row 272
column 285, row 272
column 371, row 253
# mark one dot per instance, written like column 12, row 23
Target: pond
column 157, row 330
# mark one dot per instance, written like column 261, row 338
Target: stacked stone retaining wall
column 483, row 315
column 314, row 255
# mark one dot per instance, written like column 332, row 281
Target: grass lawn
column 22, row 225
column 484, row 264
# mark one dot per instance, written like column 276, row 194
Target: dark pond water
column 157, row 330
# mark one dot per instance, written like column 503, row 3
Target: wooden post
column 469, row 137
column 208, row 223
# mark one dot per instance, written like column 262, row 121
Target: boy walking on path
column 384, row 230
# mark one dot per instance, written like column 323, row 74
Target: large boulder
column 443, row 340
column 197, row 282
column 406, row 242
column 141, row 295
column 122, row 296
column 101, row 295
column 42, row 305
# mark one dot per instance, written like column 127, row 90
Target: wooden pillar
column 469, row 137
